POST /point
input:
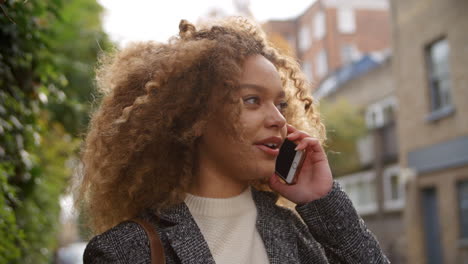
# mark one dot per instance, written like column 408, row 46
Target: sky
column 158, row 20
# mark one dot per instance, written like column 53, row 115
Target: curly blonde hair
column 140, row 148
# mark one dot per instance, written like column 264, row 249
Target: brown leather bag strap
column 157, row 250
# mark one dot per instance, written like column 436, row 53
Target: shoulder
column 126, row 241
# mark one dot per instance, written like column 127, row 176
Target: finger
column 297, row 135
column 310, row 143
column 277, row 185
column 294, row 135
column 314, row 150
column 291, row 129
column 301, row 146
column 314, row 145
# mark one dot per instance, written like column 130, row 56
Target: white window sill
column 394, row 205
column 367, row 209
column 440, row 113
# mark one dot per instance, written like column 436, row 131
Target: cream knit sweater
column 228, row 226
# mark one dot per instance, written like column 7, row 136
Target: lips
column 270, row 145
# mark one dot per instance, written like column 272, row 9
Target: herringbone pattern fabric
column 333, row 233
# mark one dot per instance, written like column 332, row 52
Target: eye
column 252, row 100
column 282, row 106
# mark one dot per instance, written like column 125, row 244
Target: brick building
column 430, row 47
column 332, row 33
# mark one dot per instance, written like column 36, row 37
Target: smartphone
column 289, row 162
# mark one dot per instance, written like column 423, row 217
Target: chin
column 258, row 171
column 265, row 172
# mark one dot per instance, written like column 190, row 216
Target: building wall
column 369, row 88
column 373, row 29
column 372, row 32
column 307, row 20
column 445, row 184
column 416, row 24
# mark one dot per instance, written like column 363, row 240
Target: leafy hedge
column 345, row 126
column 46, row 72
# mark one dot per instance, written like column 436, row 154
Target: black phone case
column 285, row 158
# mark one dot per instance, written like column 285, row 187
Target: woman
column 186, row 137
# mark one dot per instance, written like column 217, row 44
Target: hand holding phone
column 312, row 179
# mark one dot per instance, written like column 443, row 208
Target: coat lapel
column 186, row 239
column 271, row 228
column 184, row 236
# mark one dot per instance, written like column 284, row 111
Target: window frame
column 377, row 110
column 322, row 62
column 389, row 203
column 344, row 15
column 363, row 177
column 438, row 109
column 305, row 38
column 320, row 25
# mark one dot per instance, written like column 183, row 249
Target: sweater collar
column 180, row 212
column 221, row 207
column 185, row 237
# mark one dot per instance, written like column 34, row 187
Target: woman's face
column 263, row 127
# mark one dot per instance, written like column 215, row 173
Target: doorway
column 431, row 226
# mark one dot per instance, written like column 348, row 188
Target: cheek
column 251, row 122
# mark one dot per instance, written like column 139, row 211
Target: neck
column 210, row 181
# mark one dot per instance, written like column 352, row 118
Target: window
column 463, row 208
column 307, row 69
column 388, row 113
column 394, row 191
column 365, row 147
column 360, row 188
column 373, row 117
column 322, row 64
column 349, row 53
column 394, row 187
column 381, row 113
column 346, row 20
column 319, row 25
column 389, row 143
column 439, row 74
column 304, row 38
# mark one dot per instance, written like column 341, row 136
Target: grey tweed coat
column 333, row 233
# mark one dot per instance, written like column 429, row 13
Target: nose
column 274, row 118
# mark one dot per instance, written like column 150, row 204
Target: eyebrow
column 259, row 88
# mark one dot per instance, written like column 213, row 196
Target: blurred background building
column 344, row 50
column 333, row 33
column 375, row 184
column 430, row 71
column 403, row 64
